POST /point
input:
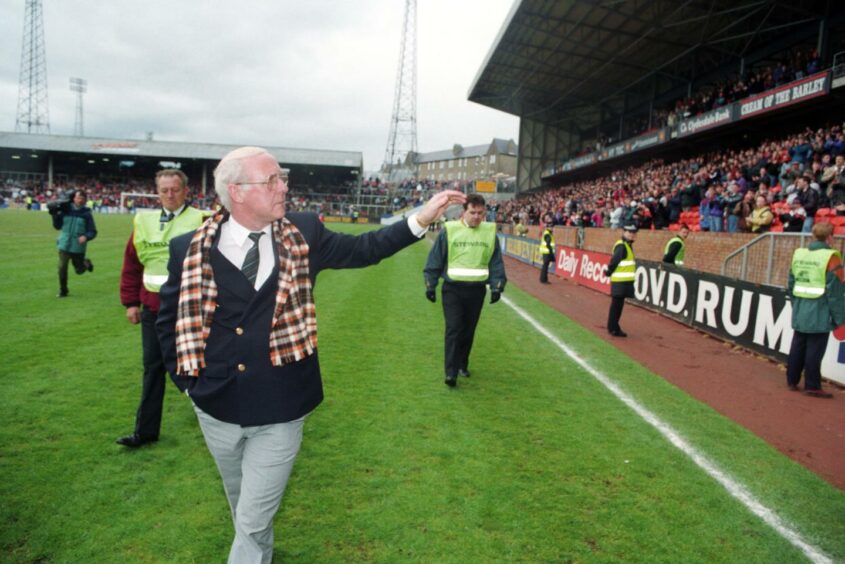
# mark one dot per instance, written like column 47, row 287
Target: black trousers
column 148, row 417
column 544, row 271
column 79, row 265
column 806, row 355
column 462, row 305
column 616, row 305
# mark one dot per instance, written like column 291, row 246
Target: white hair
column 229, row 170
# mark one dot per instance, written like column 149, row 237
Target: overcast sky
column 316, row 74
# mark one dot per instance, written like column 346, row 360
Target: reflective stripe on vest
column 809, row 269
column 544, row 250
column 469, row 251
column 152, row 242
column 626, row 270
column 154, row 280
column 679, row 258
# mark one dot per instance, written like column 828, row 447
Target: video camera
column 62, row 203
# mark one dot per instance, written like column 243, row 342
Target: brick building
column 478, row 162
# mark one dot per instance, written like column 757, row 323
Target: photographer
column 73, row 218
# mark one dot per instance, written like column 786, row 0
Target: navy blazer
column 239, row 385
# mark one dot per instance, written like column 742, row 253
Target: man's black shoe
column 62, row 294
column 451, row 381
column 89, row 266
column 135, row 440
column 463, row 372
column 618, row 333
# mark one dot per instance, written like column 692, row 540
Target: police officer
column 466, row 255
column 817, row 292
column 144, row 271
column 675, row 248
column 622, row 270
column 547, row 251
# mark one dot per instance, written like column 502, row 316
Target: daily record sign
column 583, row 267
column 758, row 318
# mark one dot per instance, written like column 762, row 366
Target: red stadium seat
column 838, row 220
column 675, row 227
column 822, row 212
column 776, row 229
column 822, row 219
column 839, row 230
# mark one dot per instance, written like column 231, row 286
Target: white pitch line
column 733, row 487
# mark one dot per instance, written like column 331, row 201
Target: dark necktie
column 166, row 217
column 250, row 266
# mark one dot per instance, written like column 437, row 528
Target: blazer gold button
column 242, row 368
column 239, row 331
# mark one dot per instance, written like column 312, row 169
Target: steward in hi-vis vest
column 466, row 255
column 622, row 271
column 144, row 271
column 675, row 249
column 152, row 235
column 547, row 251
column 816, row 288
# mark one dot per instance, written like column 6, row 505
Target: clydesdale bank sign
column 755, row 317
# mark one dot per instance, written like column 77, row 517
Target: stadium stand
column 704, row 191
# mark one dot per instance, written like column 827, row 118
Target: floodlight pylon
column 33, row 115
column 80, row 86
column 402, row 138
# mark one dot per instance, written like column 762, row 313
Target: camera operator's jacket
column 74, row 222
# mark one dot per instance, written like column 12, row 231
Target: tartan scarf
column 293, row 331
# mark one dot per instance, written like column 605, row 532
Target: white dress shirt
column 235, row 243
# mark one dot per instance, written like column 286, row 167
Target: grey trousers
column 255, row 464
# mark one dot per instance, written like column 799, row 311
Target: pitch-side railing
column 767, row 258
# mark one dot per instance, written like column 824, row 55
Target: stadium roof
column 578, row 61
column 169, row 149
column 460, row 152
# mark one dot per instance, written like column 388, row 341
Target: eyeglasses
column 272, row 180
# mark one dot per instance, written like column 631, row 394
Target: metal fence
column 839, row 64
column 767, row 259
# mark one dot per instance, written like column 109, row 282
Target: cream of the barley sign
column 797, row 91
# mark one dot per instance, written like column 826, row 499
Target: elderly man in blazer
column 238, row 329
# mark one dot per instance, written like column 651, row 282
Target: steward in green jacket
column 816, row 287
column 466, row 255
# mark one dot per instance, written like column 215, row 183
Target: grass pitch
column 530, row 459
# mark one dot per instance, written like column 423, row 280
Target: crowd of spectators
column 782, row 182
column 794, row 66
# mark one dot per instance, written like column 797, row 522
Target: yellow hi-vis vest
column 626, row 270
column 809, row 268
column 152, row 238
column 543, row 249
column 679, row 258
column 469, row 251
